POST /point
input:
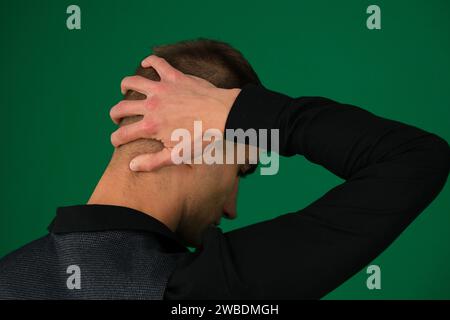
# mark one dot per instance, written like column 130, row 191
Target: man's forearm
column 340, row 137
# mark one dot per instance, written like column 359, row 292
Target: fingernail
column 133, row 165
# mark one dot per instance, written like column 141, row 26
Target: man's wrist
column 226, row 98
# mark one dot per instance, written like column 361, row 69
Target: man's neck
column 157, row 194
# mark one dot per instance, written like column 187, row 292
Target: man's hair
column 214, row 61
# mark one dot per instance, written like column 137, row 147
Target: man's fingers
column 162, row 67
column 152, row 161
column 139, row 84
column 127, row 108
column 131, row 132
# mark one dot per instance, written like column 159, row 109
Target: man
column 128, row 242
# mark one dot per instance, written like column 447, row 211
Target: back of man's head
column 214, row 61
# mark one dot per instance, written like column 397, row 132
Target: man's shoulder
column 107, row 264
column 23, row 268
column 37, row 248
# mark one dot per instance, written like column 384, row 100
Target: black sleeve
column 392, row 171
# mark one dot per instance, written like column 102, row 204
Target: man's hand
column 176, row 101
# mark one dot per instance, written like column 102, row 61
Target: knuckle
column 147, row 126
column 150, row 104
column 174, row 75
column 116, row 106
column 121, row 105
column 159, row 59
column 114, row 112
column 145, row 165
column 120, row 134
column 153, row 59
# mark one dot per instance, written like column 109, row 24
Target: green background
column 57, row 87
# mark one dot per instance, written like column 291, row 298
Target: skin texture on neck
column 157, row 194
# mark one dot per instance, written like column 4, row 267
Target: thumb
column 152, row 161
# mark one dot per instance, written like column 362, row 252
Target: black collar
column 89, row 218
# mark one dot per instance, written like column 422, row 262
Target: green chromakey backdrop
column 57, row 86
